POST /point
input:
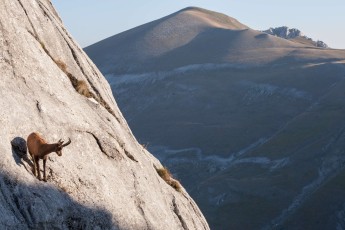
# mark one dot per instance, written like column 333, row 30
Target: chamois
column 39, row 149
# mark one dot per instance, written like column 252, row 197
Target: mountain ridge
column 169, row 26
column 181, row 35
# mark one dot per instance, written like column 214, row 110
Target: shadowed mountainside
column 252, row 124
column 25, row 206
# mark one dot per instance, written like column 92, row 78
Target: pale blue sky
column 90, row 21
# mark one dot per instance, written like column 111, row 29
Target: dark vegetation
column 167, row 177
column 79, row 85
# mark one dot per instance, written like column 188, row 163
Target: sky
column 90, row 21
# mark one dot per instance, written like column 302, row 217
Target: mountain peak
column 215, row 18
column 195, row 8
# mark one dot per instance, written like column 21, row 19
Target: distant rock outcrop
column 104, row 179
column 291, row 33
column 284, row 32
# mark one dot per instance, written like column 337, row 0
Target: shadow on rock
column 26, row 206
column 19, row 152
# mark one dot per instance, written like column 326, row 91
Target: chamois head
column 60, row 145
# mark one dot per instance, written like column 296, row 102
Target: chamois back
column 34, row 141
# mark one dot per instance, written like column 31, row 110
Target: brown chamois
column 39, row 149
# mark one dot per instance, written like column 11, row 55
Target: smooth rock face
column 104, row 178
column 252, row 124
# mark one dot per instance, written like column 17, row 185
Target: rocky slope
column 252, row 124
column 104, row 179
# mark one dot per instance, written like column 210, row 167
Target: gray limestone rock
column 104, row 179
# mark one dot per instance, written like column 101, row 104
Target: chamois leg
column 38, row 168
column 34, row 165
column 44, row 170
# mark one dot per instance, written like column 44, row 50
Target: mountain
column 295, row 35
column 182, row 37
column 104, row 179
column 252, row 124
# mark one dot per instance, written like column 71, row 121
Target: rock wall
column 104, row 179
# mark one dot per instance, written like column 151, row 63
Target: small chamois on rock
column 39, row 149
